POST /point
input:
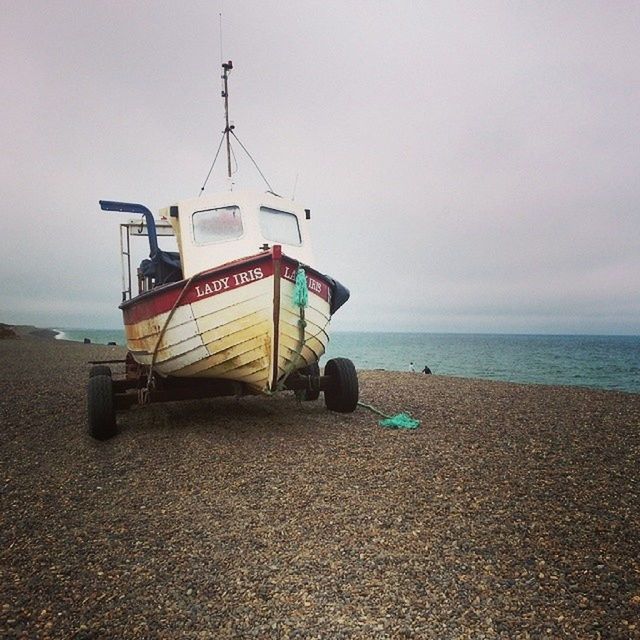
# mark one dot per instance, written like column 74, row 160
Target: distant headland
column 11, row 331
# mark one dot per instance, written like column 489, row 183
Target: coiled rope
column 399, row 421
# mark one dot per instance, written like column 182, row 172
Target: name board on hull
column 213, row 283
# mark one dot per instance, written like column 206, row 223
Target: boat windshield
column 217, row 225
column 279, row 226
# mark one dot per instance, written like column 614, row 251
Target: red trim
column 215, row 281
column 316, row 282
column 205, row 285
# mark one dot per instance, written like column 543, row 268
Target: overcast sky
column 470, row 166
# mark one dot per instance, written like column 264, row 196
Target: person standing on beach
column 426, row 369
column 412, row 368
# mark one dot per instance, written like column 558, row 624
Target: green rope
column 300, row 299
column 301, row 291
column 399, row 421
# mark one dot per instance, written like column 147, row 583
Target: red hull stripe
column 316, row 283
column 214, row 282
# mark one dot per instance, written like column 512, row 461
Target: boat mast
column 227, row 66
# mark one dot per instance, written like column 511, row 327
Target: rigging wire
column 235, row 160
column 255, row 164
column 212, row 165
column 229, row 128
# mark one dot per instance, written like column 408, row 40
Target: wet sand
column 513, row 512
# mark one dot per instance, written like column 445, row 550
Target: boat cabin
column 218, row 229
column 211, row 231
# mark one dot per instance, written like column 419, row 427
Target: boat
column 238, row 309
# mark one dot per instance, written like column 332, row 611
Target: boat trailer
column 109, row 393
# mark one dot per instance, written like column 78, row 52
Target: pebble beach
column 512, row 512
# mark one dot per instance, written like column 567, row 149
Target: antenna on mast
column 229, row 131
column 227, row 66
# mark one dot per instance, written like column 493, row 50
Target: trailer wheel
column 341, row 393
column 101, row 407
column 100, row 370
column 313, row 393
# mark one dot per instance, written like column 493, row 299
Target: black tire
column 309, row 395
column 101, row 408
column 341, row 394
column 99, row 370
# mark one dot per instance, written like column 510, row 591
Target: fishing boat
column 238, row 309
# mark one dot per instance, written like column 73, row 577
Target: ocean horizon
column 596, row 361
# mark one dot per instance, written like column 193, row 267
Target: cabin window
column 279, row 226
column 217, row 225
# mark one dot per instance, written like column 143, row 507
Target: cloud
column 470, row 167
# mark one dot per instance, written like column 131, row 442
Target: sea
column 599, row 362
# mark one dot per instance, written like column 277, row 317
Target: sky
column 470, row 166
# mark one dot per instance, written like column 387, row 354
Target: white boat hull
column 236, row 322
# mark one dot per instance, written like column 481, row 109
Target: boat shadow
column 252, row 414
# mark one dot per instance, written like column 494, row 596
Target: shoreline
column 59, row 335
column 27, row 331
